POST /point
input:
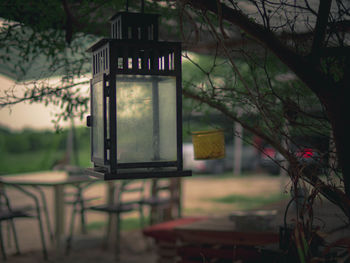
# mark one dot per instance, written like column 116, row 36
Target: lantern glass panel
column 146, row 119
column 97, row 121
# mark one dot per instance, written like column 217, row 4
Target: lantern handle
column 142, row 6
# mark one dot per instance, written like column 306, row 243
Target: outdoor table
column 165, row 237
column 222, row 237
column 210, row 237
column 55, row 179
column 226, row 231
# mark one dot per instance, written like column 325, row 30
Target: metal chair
column 164, row 200
column 79, row 203
column 128, row 198
column 75, row 196
column 7, row 213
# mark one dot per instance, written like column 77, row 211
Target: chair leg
column 42, row 236
column 152, row 215
column 47, row 218
column 46, row 213
column 117, row 241
column 8, row 232
column 159, row 214
column 2, row 246
column 156, row 215
column 82, row 216
column 48, row 224
column 38, row 216
column 108, row 230
column 142, row 217
column 14, row 232
column 71, row 229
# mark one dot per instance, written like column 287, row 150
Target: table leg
column 59, row 215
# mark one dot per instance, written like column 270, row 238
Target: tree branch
column 36, row 95
column 221, row 108
column 312, row 76
column 333, row 194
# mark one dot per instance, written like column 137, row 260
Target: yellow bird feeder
column 208, row 144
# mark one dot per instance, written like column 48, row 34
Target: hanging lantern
column 136, row 102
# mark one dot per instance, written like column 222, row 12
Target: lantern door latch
column 108, row 143
column 107, row 91
column 88, row 121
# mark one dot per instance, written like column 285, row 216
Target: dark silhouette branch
column 321, row 25
column 312, row 76
column 333, row 194
column 39, row 94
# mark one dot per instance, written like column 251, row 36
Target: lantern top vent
column 134, row 26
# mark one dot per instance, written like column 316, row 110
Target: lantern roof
column 98, row 44
column 134, row 15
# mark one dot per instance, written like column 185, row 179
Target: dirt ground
column 197, row 192
column 89, row 249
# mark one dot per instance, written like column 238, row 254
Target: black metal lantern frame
column 136, row 102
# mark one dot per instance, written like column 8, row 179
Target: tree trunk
column 336, row 104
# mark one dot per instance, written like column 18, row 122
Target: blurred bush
column 33, row 150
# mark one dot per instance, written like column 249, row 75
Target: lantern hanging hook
column 142, row 6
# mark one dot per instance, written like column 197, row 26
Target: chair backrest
column 168, row 193
column 130, row 191
column 6, row 211
column 166, row 187
column 4, row 200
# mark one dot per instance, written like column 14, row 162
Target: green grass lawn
column 127, row 224
column 250, row 202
